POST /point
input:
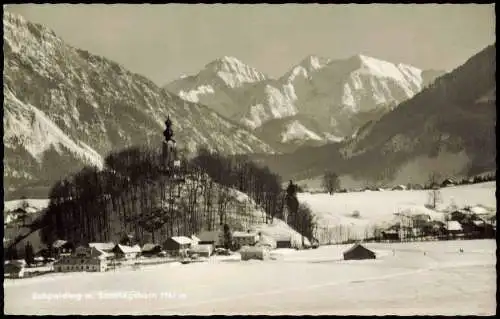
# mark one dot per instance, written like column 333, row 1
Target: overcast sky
column 164, row 41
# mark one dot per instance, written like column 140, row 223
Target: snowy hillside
column 378, row 208
column 247, row 217
column 65, row 108
column 340, row 94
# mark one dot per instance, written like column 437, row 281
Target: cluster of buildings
column 99, row 257
column 470, row 223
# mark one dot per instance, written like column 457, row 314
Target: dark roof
column 356, row 247
column 150, row 246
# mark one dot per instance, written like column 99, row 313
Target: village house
column 259, row 253
column 399, row 188
column 126, row 252
column 438, row 228
column 284, row 242
column 62, row 247
column 194, row 240
column 266, row 241
column 106, row 247
column 203, row 250
column 150, row 249
column 215, row 238
column 390, row 234
column 359, row 252
column 454, row 228
column 83, row 259
column 177, row 245
column 241, row 239
column 448, row 182
column 14, row 268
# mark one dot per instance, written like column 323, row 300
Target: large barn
column 359, row 252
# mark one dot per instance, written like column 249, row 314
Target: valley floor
column 408, row 282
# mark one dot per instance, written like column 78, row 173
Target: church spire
column 169, row 145
column 168, row 133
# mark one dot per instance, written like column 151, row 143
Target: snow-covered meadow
column 408, row 282
column 379, row 207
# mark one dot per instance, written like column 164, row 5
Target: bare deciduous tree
column 330, row 182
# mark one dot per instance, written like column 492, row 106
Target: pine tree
column 227, row 237
column 29, row 254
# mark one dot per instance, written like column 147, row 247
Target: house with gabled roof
column 358, row 252
column 126, row 252
column 107, row 247
column 241, row 239
column 177, row 245
column 62, row 247
column 84, row 258
column 214, row 237
column 150, row 249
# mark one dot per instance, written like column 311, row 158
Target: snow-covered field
column 378, row 207
column 441, row 281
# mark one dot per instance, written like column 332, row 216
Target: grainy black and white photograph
column 249, row 159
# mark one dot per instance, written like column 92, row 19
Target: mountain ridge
column 449, row 127
column 336, row 92
column 51, row 87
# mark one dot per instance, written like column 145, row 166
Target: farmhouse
column 261, row 253
column 454, row 228
column 14, row 269
column 126, row 252
column 204, row 250
column 390, row 234
column 284, row 242
column 62, row 247
column 83, row 259
column 448, row 182
column 358, row 252
column 241, row 239
column 106, row 247
column 177, row 245
column 214, row 238
column 150, row 249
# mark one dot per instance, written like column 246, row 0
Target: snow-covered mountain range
column 65, row 107
column 448, row 128
column 336, row 96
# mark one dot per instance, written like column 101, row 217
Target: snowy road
column 442, row 281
